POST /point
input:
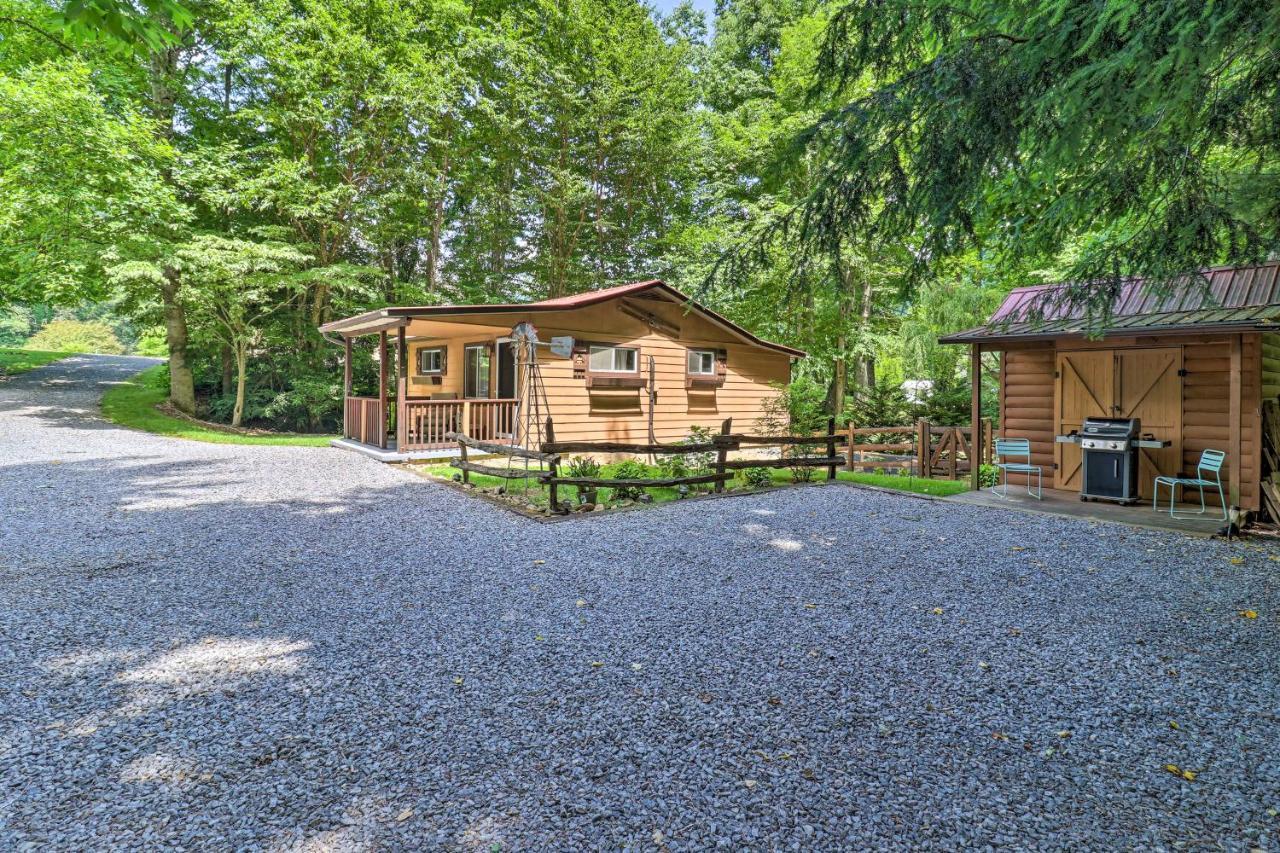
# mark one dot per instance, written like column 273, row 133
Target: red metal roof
column 1220, row 287
column 1218, row 297
column 371, row 321
column 591, row 297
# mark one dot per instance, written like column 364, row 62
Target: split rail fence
column 551, row 450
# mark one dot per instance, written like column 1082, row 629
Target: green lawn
column 133, row 404
column 15, row 361
column 537, row 494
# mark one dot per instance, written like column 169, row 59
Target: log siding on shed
column 1027, row 385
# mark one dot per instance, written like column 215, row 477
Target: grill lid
column 1114, row 428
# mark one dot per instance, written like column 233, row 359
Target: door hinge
column 1182, row 371
column 1055, row 466
column 1057, row 374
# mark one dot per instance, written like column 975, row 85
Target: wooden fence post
column 953, row 461
column 552, row 467
column 988, row 441
column 831, row 447
column 848, row 451
column 923, row 450
column 723, row 453
column 462, row 454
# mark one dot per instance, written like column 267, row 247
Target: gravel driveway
column 221, row 647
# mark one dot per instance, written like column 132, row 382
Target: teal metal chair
column 1210, row 463
column 1007, row 450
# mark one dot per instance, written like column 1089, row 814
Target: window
column 431, row 361
column 476, row 377
column 611, row 360
column 702, row 362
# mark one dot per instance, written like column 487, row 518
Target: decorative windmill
column 531, row 392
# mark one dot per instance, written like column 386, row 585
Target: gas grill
column 1109, row 457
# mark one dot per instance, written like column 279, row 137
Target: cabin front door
column 1122, row 383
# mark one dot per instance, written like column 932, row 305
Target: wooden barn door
column 1150, row 388
column 1085, row 389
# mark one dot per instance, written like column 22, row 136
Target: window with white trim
column 611, row 360
column 702, row 362
column 431, row 361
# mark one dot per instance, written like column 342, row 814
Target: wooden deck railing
column 365, row 421
column 426, row 422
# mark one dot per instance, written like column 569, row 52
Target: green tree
column 1089, row 141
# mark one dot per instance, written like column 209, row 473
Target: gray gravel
column 222, row 647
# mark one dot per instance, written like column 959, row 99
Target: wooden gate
column 1128, row 383
column 1085, row 389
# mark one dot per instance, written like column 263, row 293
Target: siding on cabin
column 1027, row 397
column 582, row 413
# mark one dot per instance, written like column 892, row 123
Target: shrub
column 757, row 478
column 988, row 476
column 308, row 406
column 75, row 336
column 582, row 466
column 629, row 470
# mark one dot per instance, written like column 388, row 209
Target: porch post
column 346, row 387
column 975, row 415
column 382, row 387
column 1234, row 418
column 402, row 390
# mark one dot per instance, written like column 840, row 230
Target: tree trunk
column 228, row 369
column 866, row 364
column 241, row 361
column 182, row 386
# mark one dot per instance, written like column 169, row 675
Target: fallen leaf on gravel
column 658, row 837
column 637, row 666
column 457, row 679
column 983, row 665
column 705, row 697
column 775, row 701
column 404, row 815
column 1000, row 736
column 937, row 611
column 539, row 562
column 1017, row 548
column 597, row 663
column 1015, row 632
column 1065, row 733
column 1189, row 775
column 1236, row 561
column 582, row 602
column 1173, row 724
column 811, row 607
column 1273, row 558
column 1249, row 614
column 539, row 637
column 749, row 783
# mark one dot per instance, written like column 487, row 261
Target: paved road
column 219, row 647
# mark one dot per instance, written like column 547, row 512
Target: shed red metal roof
column 1219, row 297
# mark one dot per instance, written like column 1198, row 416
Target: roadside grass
column 133, row 403
column 536, row 494
column 15, row 361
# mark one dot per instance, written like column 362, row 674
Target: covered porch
column 1068, row 504
column 413, row 406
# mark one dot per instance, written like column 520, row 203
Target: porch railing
column 365, row 421
column 425, row 422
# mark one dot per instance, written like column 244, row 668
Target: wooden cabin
column 645, row 363
column 1195, row 365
